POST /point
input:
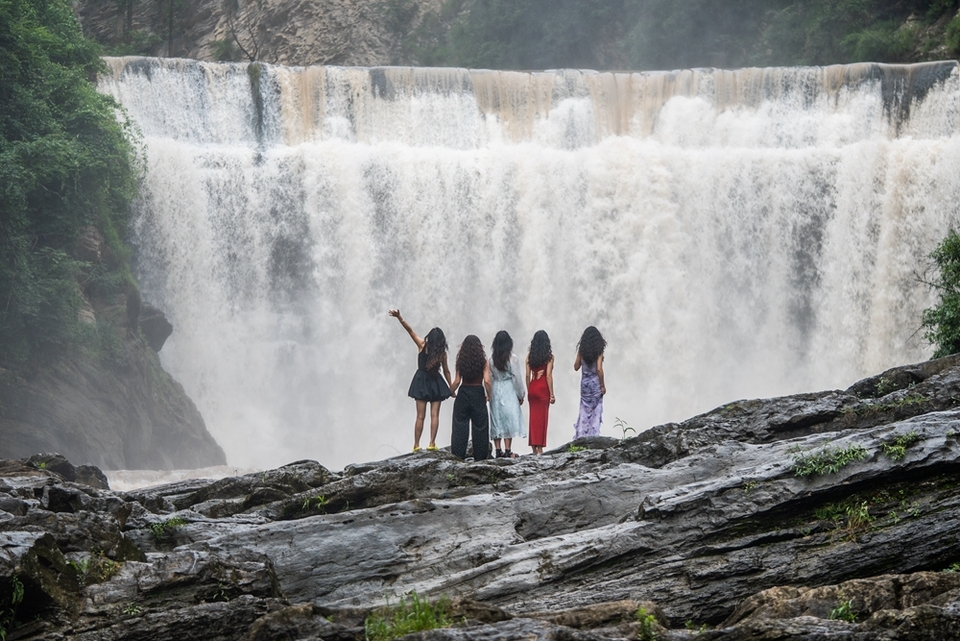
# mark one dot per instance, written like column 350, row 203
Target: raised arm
column 416, row 339
column 603, row 388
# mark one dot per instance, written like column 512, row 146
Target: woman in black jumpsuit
column 470, row 409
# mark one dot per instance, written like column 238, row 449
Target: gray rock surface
column 291, row 32
column 708, row 522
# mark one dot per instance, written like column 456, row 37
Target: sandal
column 432, row 448
column 416, row 449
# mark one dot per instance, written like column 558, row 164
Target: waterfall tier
column 732, row 233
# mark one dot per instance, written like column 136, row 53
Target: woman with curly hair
column 539, row 388
column 590, row 356
column 506, row 395
column 470, row 408
column 427, row 385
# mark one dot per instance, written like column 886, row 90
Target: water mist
column 732, row 233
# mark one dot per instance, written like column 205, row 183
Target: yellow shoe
column 416, row 449
column 432, row 448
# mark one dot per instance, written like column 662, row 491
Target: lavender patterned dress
column 591, row 403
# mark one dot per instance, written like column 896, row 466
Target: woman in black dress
column 428, row 386
column 470, row 408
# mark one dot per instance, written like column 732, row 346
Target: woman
column 539, row 389
column 506, row 396
column 592, row 388
column 427, row 385
column 470, row 408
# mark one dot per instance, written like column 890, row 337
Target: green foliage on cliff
column 65, row 163
column 942, row 321
column 672, row 34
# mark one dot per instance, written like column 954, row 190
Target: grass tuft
column 407, row 617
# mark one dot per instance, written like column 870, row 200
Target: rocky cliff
column 815, row 516
column 291, row 32
column 107, row 401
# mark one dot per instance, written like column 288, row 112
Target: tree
column 65, row 163
column 942, row 321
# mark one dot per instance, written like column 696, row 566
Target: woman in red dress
column 539, row 388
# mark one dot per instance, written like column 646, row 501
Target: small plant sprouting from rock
column 897, row 450
column 419, row 614
column 648, row 625
column 576, row 448
column 621, row 425
column 954, row 567
column 826, row 461
column 696, row 629
column 749, row 485
column 844, row 612
column 133, row 610
column 163, row 529
column 317, row 502
column 8, row 610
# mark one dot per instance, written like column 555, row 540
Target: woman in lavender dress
column 590, row 356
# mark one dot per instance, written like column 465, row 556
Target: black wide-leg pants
column 470, row 407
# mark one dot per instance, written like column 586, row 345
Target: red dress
column 539, row 397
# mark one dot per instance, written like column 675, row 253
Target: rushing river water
column 732, row 233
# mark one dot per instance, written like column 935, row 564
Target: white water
column 732, row 234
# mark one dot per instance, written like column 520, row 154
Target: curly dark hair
column 435, row 345
column 471, row 359
column 591, row 345
column 502, row 346
column 540, row 352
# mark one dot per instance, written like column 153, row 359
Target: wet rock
column 713, row 521
column 154, row 325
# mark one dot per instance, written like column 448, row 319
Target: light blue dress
column 506, row 419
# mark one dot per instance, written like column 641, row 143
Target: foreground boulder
column 814, row 516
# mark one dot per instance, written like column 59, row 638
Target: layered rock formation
column 106, row 402
column 291, row 32
column 815, row 516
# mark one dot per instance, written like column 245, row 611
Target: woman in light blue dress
column 506, row 396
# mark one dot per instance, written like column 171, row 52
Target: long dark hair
column 471, row 358
column 435, row 345
column 591, row 345
column 540, row 352
column 502, row 346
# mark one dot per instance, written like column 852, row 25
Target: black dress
column 428, row 386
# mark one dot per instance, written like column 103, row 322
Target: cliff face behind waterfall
column 530, row 34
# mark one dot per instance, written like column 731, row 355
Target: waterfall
column 733, row 234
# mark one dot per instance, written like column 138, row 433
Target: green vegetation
column 826, row 461
column 672, row 34
column 942, row 321
column 317, row 502
column 65, row 163
column 419, row 614
column 163, row 529
column 647, row 630
column 8, row 606
column 898, row 448
column 576, row 448
column 621, row 425
column 95, row 569
column 844, row 612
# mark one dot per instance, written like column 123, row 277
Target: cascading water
column 732, row 233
